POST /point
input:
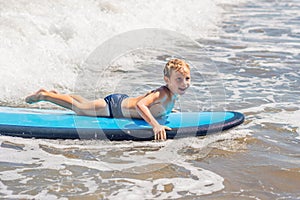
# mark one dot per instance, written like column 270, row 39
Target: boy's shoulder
column 164, row 91
column 160, row 92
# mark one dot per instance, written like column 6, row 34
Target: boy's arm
column 143, row 109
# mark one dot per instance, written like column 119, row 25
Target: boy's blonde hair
column 174, row 64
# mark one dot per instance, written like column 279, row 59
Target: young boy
column 154, row 104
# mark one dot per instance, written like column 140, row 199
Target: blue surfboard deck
column 57, row 124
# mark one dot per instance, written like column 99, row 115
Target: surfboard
column 58, row 124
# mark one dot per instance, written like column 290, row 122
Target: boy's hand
column 160, row 132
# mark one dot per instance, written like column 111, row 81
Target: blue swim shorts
column 114, row 102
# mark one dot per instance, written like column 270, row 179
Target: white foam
column 34, row 153
column 203, row 182
column 289, row 119
column 44, row 43
column 298, row 131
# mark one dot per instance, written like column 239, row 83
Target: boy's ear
column 166, row 79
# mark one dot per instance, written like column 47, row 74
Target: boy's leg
column 76, row 97
column 81, row 107
column 79, row 98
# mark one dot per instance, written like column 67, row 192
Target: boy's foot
column 35, row 97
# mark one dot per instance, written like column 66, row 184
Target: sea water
column 244, row 57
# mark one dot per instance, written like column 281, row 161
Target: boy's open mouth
column 182, row 89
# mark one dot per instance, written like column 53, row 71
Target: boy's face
column 179, row 81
